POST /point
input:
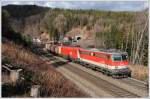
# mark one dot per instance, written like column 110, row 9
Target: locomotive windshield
column 124, row 57
column 120, row 57
column 117, row 57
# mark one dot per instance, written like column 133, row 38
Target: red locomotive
column 110, row 62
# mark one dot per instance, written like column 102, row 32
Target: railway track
column 100, row 83
column 141, row 85
column 138, row 84
column 107, row 86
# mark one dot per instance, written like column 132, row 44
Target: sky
column 99, row 5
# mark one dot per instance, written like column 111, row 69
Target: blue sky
column 101, row 5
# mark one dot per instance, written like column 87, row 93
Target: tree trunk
column 139, row 43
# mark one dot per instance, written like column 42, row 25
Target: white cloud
column 145, row 4
column 16, row 2
column 50, row 4
column 22, row 2
column 31, row 3
column 66, row 4
column 62, row 4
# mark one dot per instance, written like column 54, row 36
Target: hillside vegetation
column 53, row 83
column 127, row 31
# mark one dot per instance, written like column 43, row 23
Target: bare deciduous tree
column 60, row 24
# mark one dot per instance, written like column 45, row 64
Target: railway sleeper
column 118, row 76
column 86, row 65
column 108, row 73
column 91, row 67
column 94, row 68
column 82, row 63
column 102, row 70
column 99, row 69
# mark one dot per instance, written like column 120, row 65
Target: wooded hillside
column 127, row 31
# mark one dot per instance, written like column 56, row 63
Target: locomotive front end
column 121, row 65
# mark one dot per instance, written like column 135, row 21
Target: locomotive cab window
column 117, row 58
column 124, row 57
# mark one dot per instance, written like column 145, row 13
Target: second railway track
column 137, row 84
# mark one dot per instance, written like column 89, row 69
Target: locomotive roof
column 109, row 51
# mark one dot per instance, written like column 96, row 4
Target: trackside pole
column 35, row 91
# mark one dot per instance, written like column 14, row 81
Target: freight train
column 110, row 62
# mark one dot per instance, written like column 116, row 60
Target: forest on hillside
column 127, row 31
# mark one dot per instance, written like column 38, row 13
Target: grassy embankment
column 140, row 72
column 53, row 83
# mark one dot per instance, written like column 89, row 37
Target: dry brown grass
column 53, row 83
column 139, row 72
column 17, row 53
